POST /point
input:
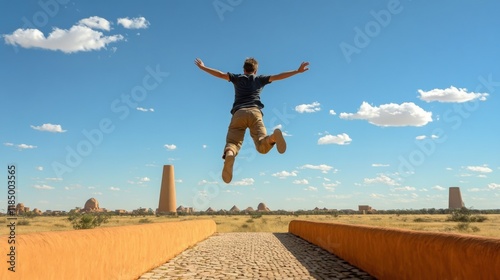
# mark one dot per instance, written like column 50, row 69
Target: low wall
column 404, row 254
column 105, row 253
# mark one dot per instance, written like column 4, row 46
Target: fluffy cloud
column 381, row 179
column 56, row 128
column 300, row 182
column 145, row 109
column 380, row 165
column 308, row 108
column 283, row 174
column 78, row 38
column 481, row 169
column 332, row 112
column 322, row 167
column 405, row 114
column 25, row 147
column 114, row 189
column 43, row 187
column 438, row 188
column 244, row 182
column 96, row 23
column 170, row 147
column 451, row 94
column 133, row 23
column 340, row 139
column 311, row 188
column 494, row 186
column 406, row 188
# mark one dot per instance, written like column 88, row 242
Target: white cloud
column 79, row 37
column 8, row 144
column 244, row 182
column 380, row 165
column 481, row 169
column 114, row 189
column 25, row 146
column 133, row 23
column 405, row 114
column 205, row 182
column 170, row 147
column 43, row 187
column 451, row 94
column 308, row 108
column 145, row 109
column 54, row 179
column 311, row 188
column 381, row 179
column 300, row 182
column 322, row 167
column 340, row 139
column 283, row 174
column 494, row 186
column 144, row 179
column 204, row 146
column 406, row 188
column 439, row 188
column 95, row 23
column 332, row 112
column 434, row 136
column 56, row 128
column 331, row 186
column 39, row 168
column 421, row 137
column 474, row 190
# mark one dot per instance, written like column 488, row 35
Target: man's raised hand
column 303, row 67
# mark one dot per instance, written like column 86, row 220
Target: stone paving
column 255, row 256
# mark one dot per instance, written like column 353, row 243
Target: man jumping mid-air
column 247, row 112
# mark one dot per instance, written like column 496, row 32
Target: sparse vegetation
column 23, row 223
column 481, row 223
column 145, row 221
column 87, row 220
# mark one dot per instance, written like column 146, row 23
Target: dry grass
column 279, row 223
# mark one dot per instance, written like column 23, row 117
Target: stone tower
column 167, row 192
column 455, row 199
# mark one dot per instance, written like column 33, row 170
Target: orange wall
column 104, row 253
column 404, row 254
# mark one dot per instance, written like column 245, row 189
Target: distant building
column 455, row 199
column 365, row 209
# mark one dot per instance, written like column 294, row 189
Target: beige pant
column 242, row 119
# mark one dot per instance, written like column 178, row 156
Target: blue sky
column 400, row 102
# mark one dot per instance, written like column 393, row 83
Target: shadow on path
column 320, row 263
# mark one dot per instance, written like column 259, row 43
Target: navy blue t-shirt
column 247, row 90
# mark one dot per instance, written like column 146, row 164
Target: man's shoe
column 280, row 141
column 227, row 171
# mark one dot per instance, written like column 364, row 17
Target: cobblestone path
column 255, row 256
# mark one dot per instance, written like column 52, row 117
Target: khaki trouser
column 242, row 119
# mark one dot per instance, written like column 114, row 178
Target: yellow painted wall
column 104, row 253
column 404, row 254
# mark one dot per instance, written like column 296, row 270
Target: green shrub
column 87, row 220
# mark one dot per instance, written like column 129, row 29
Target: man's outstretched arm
column 284, row 75
column 214, row 72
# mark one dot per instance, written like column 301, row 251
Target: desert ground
column 490, row 227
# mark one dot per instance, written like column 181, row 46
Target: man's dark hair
column 250, row 65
